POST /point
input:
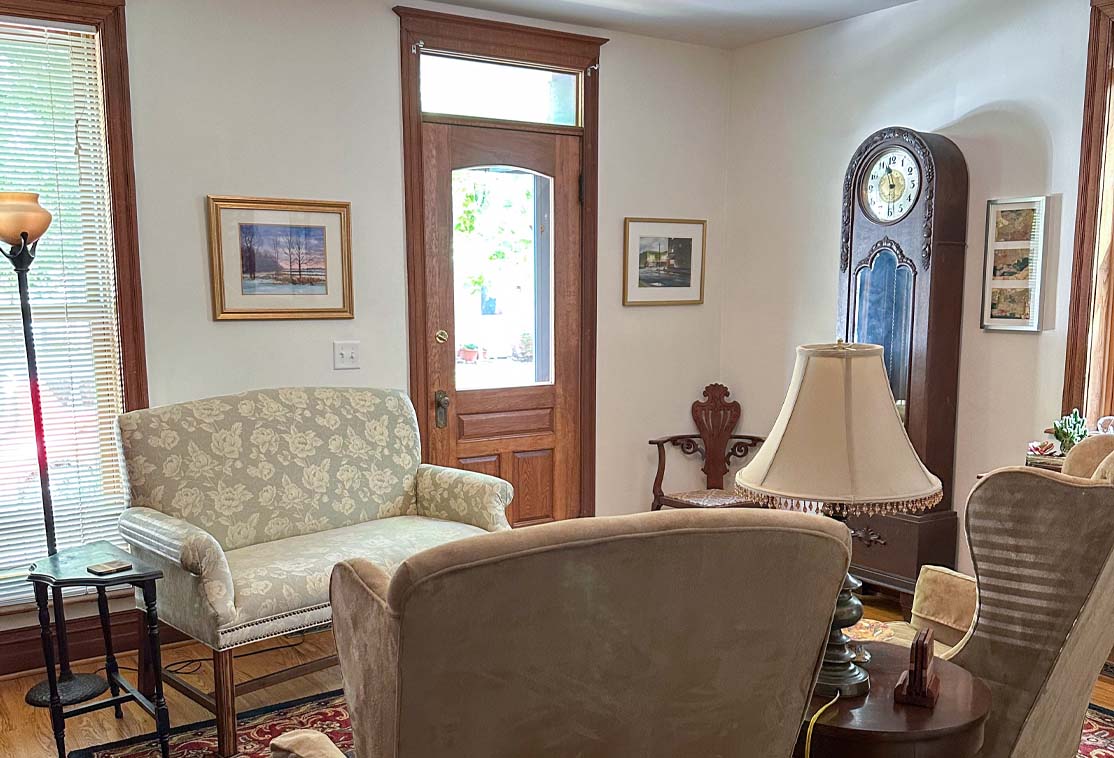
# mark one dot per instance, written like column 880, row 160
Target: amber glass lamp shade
column 21, row 213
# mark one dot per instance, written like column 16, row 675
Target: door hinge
column 580, row 188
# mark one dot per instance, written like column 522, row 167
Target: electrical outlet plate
column 346, row 354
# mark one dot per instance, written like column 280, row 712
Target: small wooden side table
column 874, row 726
column 68, row 568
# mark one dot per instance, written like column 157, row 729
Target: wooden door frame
column 510, row 42
column 1100, row 78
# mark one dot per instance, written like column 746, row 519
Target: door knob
column 441, row 336
column 441, row 402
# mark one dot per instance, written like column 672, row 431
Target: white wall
column 663, row 130
column 291, row 98
column 273, row 98
column 1004, row 79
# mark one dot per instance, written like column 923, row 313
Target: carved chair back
column 715, row 442
column 716, row 418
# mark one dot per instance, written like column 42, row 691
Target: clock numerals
column 892, row 186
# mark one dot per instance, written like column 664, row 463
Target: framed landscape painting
column 1015, row 232
column 663, row 261
column 279, row 259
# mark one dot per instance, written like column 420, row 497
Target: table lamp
column 839, row 449
column 22, row 222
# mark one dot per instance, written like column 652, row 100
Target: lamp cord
column 812, row 723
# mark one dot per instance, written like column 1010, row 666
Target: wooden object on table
column 901, row 285
column 919, row 685
column 69, row 568
column 1046, row 462
column 715, row 441
column 875, row 726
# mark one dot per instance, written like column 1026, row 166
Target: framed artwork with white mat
column 663, row 261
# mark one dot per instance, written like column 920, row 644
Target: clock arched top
column 875, row 143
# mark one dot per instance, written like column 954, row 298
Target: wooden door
column 502, row 275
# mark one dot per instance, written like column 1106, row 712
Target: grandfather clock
column 901, row 286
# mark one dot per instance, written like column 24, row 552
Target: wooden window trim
column 107, row 17
column 528, row 44
column 1100, row 65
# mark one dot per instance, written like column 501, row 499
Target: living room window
column 55, row 140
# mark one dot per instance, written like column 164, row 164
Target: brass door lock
column 441, row 402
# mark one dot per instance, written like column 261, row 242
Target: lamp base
column 839, row 673
column 74, row 689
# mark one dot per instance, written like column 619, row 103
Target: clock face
column 891, row 185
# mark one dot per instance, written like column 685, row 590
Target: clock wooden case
column 901, row 285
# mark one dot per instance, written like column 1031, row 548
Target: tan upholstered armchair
column 682, row 633
column 1043, row 547
column 246, row 502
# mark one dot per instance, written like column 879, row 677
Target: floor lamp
column 22, row 222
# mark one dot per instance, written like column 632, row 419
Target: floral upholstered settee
column 246, row 502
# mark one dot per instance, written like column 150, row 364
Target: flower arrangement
column 1042, row 447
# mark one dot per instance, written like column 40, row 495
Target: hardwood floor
column 25, row 732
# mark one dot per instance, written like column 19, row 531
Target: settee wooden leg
column 225, row 696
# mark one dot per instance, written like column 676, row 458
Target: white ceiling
column 719, row 23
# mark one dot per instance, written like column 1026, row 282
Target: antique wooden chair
column 715, row 442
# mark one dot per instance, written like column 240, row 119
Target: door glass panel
column 502, row 277
column 486, row 89
column 884, row 316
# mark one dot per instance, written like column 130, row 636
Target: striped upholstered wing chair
column 1035, row 625
column 246, row 502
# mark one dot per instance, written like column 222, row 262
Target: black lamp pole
column 71, row 688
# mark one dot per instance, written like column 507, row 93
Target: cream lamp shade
column 20, row 212
column 838, row 446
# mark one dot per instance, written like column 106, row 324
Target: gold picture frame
column 291, row 259
column 668, row 270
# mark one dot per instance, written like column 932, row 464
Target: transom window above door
column 454, row 85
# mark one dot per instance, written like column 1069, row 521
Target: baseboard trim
column 21, row 651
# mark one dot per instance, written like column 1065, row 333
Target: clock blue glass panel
column 884, row 316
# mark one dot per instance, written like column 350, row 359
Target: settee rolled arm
column 467, row 497
column 184, row 546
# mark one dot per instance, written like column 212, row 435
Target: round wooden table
column 875, row 727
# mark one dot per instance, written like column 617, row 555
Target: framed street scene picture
column 279, row 259
column 663, row 261
column 1012, row 281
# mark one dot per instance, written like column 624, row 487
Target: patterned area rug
column 328, row 713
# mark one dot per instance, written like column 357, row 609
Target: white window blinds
column 52, row 141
